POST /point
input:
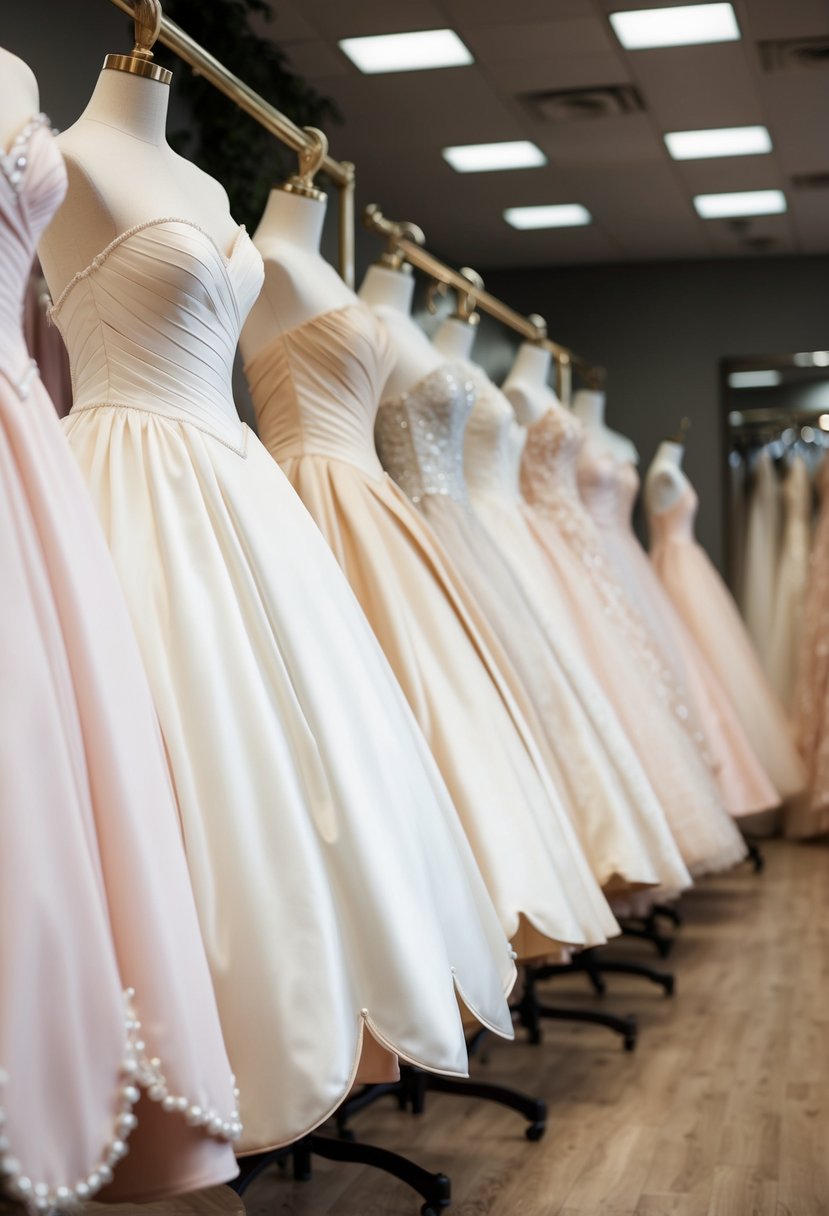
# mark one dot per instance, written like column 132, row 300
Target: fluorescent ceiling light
column 687, row 25
column 562, row 215
column 482, row 158
column 823, row 422
column 722, row 141
column 407, row 52
column 812, row 358
column 763, row 379
column 739, row 203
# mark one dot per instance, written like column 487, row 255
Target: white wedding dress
column 336, row 891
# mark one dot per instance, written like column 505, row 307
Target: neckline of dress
column 25, row 133
column 226, row 259
column 319, row 318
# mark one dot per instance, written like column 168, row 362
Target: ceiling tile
column 471, row 13
column 625, row 140
column 792, row 19
column 798, row 108
column 507, row 43
column 690, row 87
column 557, row 73
column 334, row 19
column 314, row 59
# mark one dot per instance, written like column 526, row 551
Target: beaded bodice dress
column 420, row 440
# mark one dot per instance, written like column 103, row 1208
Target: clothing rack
column 406, row 241
column 342, row 173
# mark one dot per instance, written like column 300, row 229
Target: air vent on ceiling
column 606, row 101
column 810, row 181
column 790, row 54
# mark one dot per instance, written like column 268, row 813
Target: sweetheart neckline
column 445, row 368
column 226, row 259
column 319, row 317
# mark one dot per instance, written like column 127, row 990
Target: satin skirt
column 95, row 897
column 337, row 896
column 450, row 667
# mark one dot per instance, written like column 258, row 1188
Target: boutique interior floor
column 722, row 1110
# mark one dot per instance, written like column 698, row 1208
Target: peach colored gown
column 316, row 390
column 703, row 602
column 98, row 928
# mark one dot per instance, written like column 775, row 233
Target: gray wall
column 661, row 330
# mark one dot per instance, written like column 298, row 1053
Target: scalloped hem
column 139, row 1073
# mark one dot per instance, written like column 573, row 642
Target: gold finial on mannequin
column 465, row 301
column 540, row 324
column 310, row 163
column 147, row 21
column 393, row 257
column 680, row 435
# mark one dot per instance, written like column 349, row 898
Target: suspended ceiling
column 616, row 164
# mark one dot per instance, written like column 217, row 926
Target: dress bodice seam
column 172, row 420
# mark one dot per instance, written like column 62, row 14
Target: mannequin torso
column 589, row 406
column 123, row 173
column 665, row 481
column 388, row 293
column 299, row 283
column 19, row 101
column 526, row 386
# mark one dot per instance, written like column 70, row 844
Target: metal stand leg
column 530, row 1012
column 648, row 933
column 434, row 1189
column 534, row 1110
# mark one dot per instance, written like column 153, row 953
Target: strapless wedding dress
column 792, row 577
column 617, row 817
column 609, row 488
column 316, row 390
column 336, row 892
column 561, row 572
column 98, row 929
column 702, row 600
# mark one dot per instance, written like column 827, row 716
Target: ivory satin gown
column 337, row 895
column 762, row 550
column 316, row 389
column 702, row 600
column 610, row 487
column 95, row 898
column 617, row 817
column 561, row 571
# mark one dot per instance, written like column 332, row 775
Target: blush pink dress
column 609, row 488
column 555, row 554
column 703, row 602
column 109, row 1035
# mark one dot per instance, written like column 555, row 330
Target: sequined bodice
column 548, row 470
column 494, row 442
column 608, row 486
column 316, row 388
column 677, row 522
column 32, row 186
column 153, row 324
column 420, row 434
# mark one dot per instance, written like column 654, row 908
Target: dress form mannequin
column 388, row 290
column 455, row 338
column 299, row 283
column 123, row 173
column 589, row 406
column 665, row 480
column 526, row 386
column 18, row 97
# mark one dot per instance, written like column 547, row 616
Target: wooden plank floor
column 723, row 1109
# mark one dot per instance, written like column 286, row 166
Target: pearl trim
column 138, row 1071
column 13, row 163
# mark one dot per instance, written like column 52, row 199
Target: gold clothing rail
column 342, row 173
column 402, row 240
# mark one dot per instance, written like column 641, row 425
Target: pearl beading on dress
column 138, row 1071
column 13, row 162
